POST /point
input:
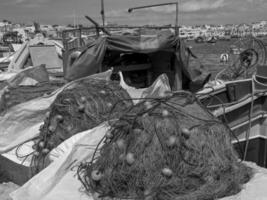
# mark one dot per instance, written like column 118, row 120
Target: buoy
column 96, row 175
column 130, row 158
column 167, row 172
column 41, row 144
column 59, row 118
column 148, row 105
column 186, row 133
column 121, row 144
column 45, row 151
column 102, row 92
column 83, row 100
column 109, row 104
column 165, row 113
column 109, row 135
column 171, row 141
column 47, row 114
column 81, row 108
column 52, row 128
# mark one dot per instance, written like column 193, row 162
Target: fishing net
column 165, row 149
column 80, row 107
column 16, row 95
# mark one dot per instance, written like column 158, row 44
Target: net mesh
column 165, row 149
column 78, row 108
column 16, row 95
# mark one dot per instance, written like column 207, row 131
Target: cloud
column 27, row 3
column 191, row 6
column 116, row 13
column 197, row 5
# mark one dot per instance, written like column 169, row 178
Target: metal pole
column 176, row 21
column 103, row 12
column 149, row 6
column 162, row 4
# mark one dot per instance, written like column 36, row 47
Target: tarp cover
column 90, row 60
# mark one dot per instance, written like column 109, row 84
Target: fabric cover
column 90, row 60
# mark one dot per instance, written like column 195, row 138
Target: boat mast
column 102, row 12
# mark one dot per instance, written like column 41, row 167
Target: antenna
column 102, row 12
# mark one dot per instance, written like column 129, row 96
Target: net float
column 148, row 105
column 41, row 144
column 171, row 141
column 81, row 108
column 59, row 118
column 83, row 99
column 167, row 172
column 130, row 158
column 96, row 175
column 186, row 133
column 165, row 113
column 52, row 128
column 109, row 135
column 121, row 143
column 45, row 151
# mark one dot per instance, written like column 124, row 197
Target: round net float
column 96, row 175
column 121, row 144
column 167, row 172
column 130, row 158
column 83, row 100
column 172, row 141
column 165, row 113
column 148, row 105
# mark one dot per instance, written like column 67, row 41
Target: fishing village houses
column 257, row 29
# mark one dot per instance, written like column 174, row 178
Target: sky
column 191, row 12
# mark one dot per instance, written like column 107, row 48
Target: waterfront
column 209, row 54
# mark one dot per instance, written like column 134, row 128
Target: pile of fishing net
column 165, row 149
column 16, row 95
column 83, row 106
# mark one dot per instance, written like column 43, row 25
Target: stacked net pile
column 165, row 149
column 80, row 107
column 14, row 96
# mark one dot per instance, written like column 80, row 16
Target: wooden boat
column 242, row 105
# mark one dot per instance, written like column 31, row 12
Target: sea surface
column 209, row 54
